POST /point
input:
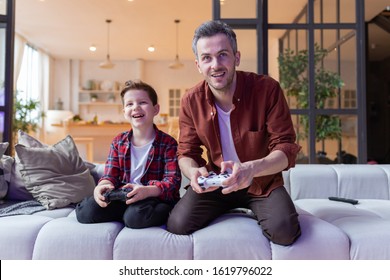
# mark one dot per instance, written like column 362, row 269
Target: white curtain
column 43, row 88
column 19, row 44
column 44, row 80
column 32, row 76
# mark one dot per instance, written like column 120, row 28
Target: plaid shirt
column 162, row 168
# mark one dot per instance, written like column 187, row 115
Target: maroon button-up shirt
column 260, row 123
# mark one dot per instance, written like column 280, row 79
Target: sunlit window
column 27, row 87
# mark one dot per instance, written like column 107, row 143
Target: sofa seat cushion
column 231, row 237
column 333, row 210
column 67, row 239
column 154, row 243
column 56, row 213
column 319, row 240
column 367, row 224
column 18, row 235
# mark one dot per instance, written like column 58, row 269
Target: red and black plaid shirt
column 162, row 168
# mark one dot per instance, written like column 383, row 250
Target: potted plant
column 26, row 115
column 293, row 67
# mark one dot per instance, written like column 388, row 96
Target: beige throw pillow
column 55, row 175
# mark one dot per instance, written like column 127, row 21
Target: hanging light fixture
column 107, row 64
column 176, row 64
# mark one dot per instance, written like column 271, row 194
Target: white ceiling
column 66, row 28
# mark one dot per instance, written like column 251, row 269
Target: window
column 174, row 102
column 324, row 119
column 27, row 83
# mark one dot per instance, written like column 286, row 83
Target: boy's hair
column 211, row 28
column 129, row 85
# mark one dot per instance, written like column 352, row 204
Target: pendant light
column 107, row 64
column 176, row 64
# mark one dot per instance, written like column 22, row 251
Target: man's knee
column 177, row 224
column 284, row 232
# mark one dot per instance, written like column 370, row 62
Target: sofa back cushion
column 359, row 181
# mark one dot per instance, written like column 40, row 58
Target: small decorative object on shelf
column 111, row 98
column 59, row 104
column 106, row 85
column 95, row 119
column 90, row 85
column 94, row 97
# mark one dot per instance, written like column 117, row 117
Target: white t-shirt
column 228, row 148
column 139, row 156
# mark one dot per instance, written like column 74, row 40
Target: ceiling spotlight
column 92, row 48
column 151, row 48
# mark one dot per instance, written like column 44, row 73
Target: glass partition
column 238, row 8
column 294, row 8
column 248, row 52
column 334, row 11
column 3, row 7
column 2, row 65
column 315, row 50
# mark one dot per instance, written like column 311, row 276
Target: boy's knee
column 146, row 214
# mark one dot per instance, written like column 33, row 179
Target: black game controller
column 117, row 194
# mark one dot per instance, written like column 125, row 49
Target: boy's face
column 138, row 109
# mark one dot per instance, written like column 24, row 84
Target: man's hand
column 195, row 173
column 241, row 176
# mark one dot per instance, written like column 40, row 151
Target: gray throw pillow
column 17, row 189
column 6, row 163
column 55, row 175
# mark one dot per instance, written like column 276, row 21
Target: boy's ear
column 156, row 109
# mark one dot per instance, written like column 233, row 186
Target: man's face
column 216, row 61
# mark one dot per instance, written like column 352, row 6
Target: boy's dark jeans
column 141, row 214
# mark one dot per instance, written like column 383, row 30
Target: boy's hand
column 141, row 192
column 99, row 191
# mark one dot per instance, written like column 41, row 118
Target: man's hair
column 129, row 85
column 211, row 28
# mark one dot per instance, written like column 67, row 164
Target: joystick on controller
column 212, row 180
column 117, row 194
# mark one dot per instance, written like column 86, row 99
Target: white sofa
column 330, row 230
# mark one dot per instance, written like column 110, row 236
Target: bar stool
column 85, row 147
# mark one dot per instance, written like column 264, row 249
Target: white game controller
column 212, row 180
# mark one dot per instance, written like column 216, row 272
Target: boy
column 143, row 159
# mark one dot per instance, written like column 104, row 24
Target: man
column 245, row 124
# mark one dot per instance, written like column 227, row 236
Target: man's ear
column 238, row 58
column 197, row 66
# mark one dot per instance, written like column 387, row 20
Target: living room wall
column 68, row 76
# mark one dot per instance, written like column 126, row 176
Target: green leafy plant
column 293, row 67
column 26, row 114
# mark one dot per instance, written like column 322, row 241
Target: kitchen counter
column 100, row 136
